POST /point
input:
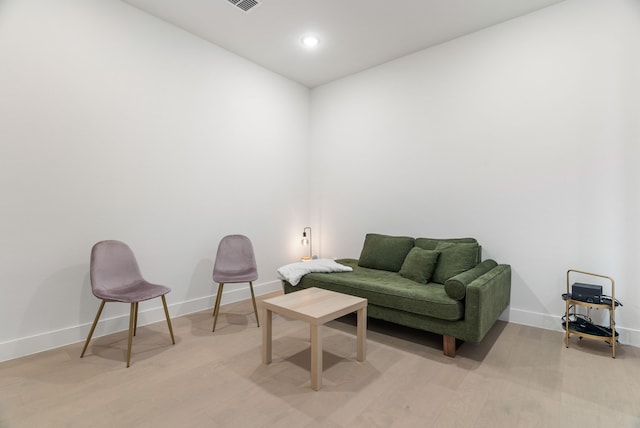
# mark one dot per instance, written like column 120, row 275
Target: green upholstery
column 385, row 252
column 454, row 258
column 388, row 289
column 465, row 307
column 487, row 297
column 456, row 287
column 432, row 243
column 419, row 265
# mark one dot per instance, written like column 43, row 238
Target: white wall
column 524, row 135
column 116, row 125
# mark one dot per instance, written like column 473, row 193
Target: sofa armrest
column 456, row 287
column 486, row 298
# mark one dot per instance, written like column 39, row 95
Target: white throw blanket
column 295, row 271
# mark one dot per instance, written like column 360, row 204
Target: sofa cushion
column 456, row 287
column 455, row 258
column 389, row 290
column 385, row 252
column 419, row 265
column 432, row 243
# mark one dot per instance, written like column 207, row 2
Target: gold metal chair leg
column 166, row 313
column 93, row 327
column 253, row 299
column 135, row 321
column 216, row 308
column 132, row 316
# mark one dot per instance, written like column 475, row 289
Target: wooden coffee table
column 317, row 307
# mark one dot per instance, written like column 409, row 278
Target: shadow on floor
column 412, row 336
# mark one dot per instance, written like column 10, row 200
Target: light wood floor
column 517, row 377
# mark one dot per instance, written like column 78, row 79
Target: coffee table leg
column 362, row 334
column 316, row 357
column 266, row 336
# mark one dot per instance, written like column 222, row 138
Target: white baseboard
column 627, row 336
column 53, row 339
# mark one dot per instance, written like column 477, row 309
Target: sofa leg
column 449, row 346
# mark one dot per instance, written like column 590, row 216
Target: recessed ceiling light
column 310, row 41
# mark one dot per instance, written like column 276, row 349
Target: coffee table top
column 314, row 305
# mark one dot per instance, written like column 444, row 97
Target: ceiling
column 354, row 34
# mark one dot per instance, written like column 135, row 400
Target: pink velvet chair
column 116, row 277
column 235, row 263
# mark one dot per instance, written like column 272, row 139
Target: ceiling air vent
column 245, row 5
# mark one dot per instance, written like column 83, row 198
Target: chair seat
column 230, row 277
column 136, row 292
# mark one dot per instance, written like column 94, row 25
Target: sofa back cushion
column 385, row 252
column 455, row 258
column 419, row 265
column 432, row 243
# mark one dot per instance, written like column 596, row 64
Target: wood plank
column 518, row 376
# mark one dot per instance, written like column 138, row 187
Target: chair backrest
column 113, row 265
column 235, row 260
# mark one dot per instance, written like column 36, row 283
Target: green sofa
column 436, row 285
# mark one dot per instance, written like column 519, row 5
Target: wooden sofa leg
column 449, row 346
